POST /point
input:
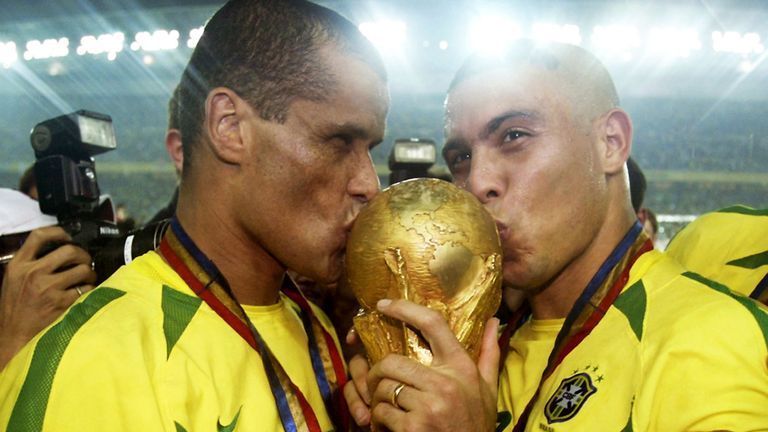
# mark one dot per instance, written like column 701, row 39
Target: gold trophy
column 429, row 242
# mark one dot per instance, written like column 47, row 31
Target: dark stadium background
column 701, row 120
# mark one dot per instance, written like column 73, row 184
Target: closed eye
column 346, row 139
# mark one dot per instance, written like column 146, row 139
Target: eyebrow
column 491, row 127
column 497, row 121
column 351, row 129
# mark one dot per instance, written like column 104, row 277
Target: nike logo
column 231, row 426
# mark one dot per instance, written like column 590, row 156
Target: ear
column 222, row 123
column 617, row 137
column 174, row 149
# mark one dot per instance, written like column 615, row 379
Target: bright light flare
column 109, row 43
column 673, row 41
column 8, row 54
column 735, row 42
column 619, row 40
column 747, row 66
column 159, row 40
column 386, row 35
column 49, row 48
column 549, row 32
column 492, row 33
column 194, row 36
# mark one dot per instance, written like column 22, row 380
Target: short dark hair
column 268, row 52
column 637, row 184
column 521, row 52
column 173, row 109
column 587, row 82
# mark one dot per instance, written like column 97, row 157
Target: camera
column 68, row 188
column 413, row 158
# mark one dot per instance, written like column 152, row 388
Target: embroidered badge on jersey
column 569, row 397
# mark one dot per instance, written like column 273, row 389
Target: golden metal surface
column 430, row 242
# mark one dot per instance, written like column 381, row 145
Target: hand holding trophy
column 434, row 244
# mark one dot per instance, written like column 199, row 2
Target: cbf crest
column 569, row 397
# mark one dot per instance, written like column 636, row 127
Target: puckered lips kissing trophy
column 434, row 244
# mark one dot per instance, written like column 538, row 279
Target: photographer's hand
column 36, row 291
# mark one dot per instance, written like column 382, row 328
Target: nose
column 484, row 181
column 364, row 183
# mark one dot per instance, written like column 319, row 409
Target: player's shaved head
column 580, row 74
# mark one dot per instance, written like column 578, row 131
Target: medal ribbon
column 296, row 414
column 600, row 293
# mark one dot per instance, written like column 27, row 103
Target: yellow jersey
column 730, row 246
column 675, row 352
column 143, row 353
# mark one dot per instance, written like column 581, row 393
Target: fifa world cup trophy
column 429, row 242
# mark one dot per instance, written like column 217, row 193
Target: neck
column 253, row 275
column 557, row 297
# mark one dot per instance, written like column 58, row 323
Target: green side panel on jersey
column 179, row 428
column 178, row 310
column 29, row 412
column 752, row 261
column 744, row 210
column 761, row 316
column 632, row 303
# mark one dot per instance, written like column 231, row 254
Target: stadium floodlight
column 549, row 32
column 491, row 34
column 158, row 40
column 109, row 43
column 621, row 40
column 676, row 42
column 49, row 48
column 735, row 42
column 8, row 54
column 747, row 66
column 387, row 35
column 148, row 59
column 443, row 45
column 194, row 36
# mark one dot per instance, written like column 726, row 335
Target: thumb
column 488, row 361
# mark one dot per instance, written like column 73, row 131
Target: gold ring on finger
column 395, row 394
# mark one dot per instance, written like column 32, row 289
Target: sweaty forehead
column 486, row 96
column 359, row 95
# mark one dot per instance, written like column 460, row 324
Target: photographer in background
column 35, row 290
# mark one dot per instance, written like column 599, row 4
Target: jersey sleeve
column 711, row 373
column 84, row 373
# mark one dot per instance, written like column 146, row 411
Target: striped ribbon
column 599, row 295
column 296, row 414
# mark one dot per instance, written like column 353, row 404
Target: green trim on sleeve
column 31, row 405
column 179, row 428
column 178, row 310
column 761, row 316
column 632, row 303
column 751, row 262
column 740, row 209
